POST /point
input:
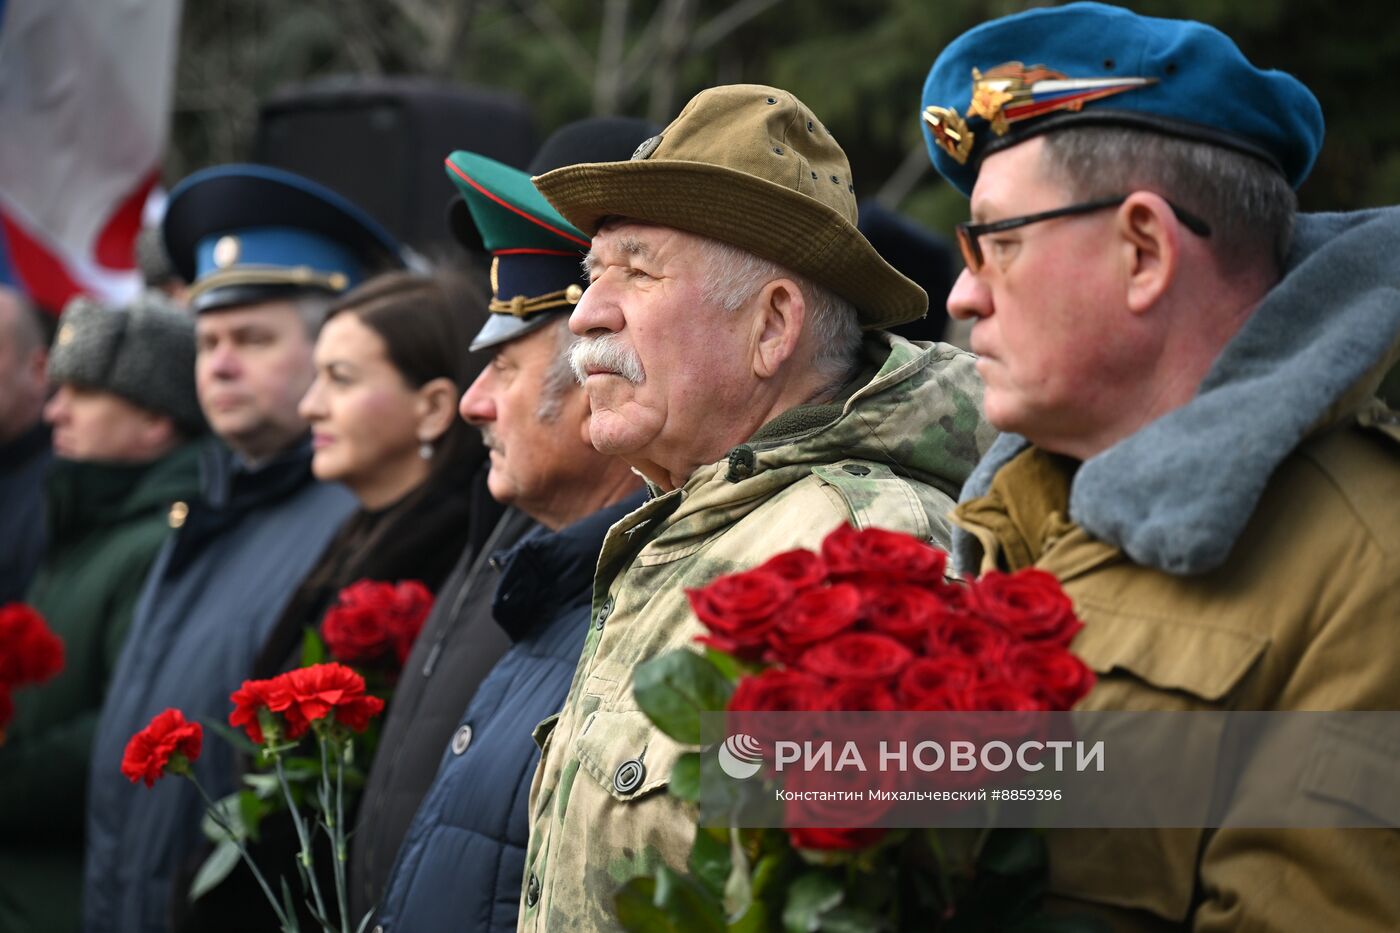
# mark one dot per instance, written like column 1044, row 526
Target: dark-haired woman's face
column 365, row 418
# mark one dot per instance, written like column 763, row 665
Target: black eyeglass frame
column 969, row 234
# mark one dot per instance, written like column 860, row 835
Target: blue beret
column 245, row 233
column 1087, row 63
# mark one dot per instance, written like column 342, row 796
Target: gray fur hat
column 143, row 352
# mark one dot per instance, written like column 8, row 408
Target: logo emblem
column 950, row 132
column 645, row 150
column 226, row 251
column 1012, row 92
column 741, row 756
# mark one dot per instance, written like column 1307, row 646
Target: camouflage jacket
column 893, row 454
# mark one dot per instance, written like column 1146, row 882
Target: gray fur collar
column 1177, row 494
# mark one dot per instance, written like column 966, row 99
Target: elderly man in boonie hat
column 732, row 351
column 1185, row 373
column 265, row 252
column 496, row 654
column 123, row 416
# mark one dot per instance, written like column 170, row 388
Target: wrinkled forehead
column 1016, row 180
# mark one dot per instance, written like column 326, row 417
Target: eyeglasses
column 970, row 234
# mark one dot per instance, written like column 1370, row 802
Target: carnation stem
column 289, row 924
column 307, row 862
column 336, row 828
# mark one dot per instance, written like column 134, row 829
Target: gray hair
column 559, row 378
column 1248, row 203
column 736, row 275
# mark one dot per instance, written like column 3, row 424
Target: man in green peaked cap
column 732, row 352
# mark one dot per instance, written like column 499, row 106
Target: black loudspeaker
column 381, row 142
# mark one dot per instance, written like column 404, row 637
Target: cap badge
column 66, row 335
column 647, row 147
column 950, row 132
column 1012, row 92
column 226, row 251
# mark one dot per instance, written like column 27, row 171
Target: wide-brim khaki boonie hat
column 753, row 167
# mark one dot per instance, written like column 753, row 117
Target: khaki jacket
column 892, row 455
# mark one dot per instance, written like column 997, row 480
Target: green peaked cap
column 508, row 212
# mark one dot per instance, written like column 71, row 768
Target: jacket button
column 629, row 776
column 532, row 891
column 378, row 928
column 461, row 739
column 604, row 611
column 178, row 513
column 856, row 469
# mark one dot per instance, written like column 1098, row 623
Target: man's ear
column 782, row 314
column 1151, row 248
column 437, row 407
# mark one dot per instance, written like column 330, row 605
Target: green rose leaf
column 710, row 859
column 668, row 903
column 809, row 898
column 674, row 689
column 685, row 777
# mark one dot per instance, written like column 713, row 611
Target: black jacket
column 22, row 465
column 461, row 863
column 459, row 644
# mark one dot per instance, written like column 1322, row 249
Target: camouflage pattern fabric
column 895, row 457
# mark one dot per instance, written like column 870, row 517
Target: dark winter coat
column 458, row 646
column 106, row 523
column 23, row 462
column 214, row 593
column 461, row 865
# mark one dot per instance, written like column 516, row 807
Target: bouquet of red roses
column 869, row 624
column 326, row 701
column 30, row 653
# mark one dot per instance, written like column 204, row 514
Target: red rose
column 777, row 691
column 900, row 610
column 374, row 619
column 7, row 710
column 856, row 656
column 739, row 608
column 815, row 615
column 29, row 652
column 861, row 695
column 851, row 553
column 323, row 690
column 157, row 746
column 1050, row 673
column 1001, row 696
column 938, row 683
column 1029, row 604
column 967, row 635
column 803, row 837
column 255, row 695
column 800, row 568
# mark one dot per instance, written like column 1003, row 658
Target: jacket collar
column 18, row 452
column 549, row 571
column 1177, row 494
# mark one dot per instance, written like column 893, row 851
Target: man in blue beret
column 265, row 252
column 1185, row 375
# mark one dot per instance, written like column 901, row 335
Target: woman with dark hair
column 391, row 362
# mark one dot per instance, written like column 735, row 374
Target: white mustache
column 609, row 353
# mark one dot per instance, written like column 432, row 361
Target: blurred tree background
column 859, row 64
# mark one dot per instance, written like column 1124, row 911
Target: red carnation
column 257, row 695
column 168, row 743
column 875, row 551
column 1029, row 604
column 373, row 619
column 856, row 656
column 323, row 690
column 29, row 652
column 814, row 616
column 800, row 568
